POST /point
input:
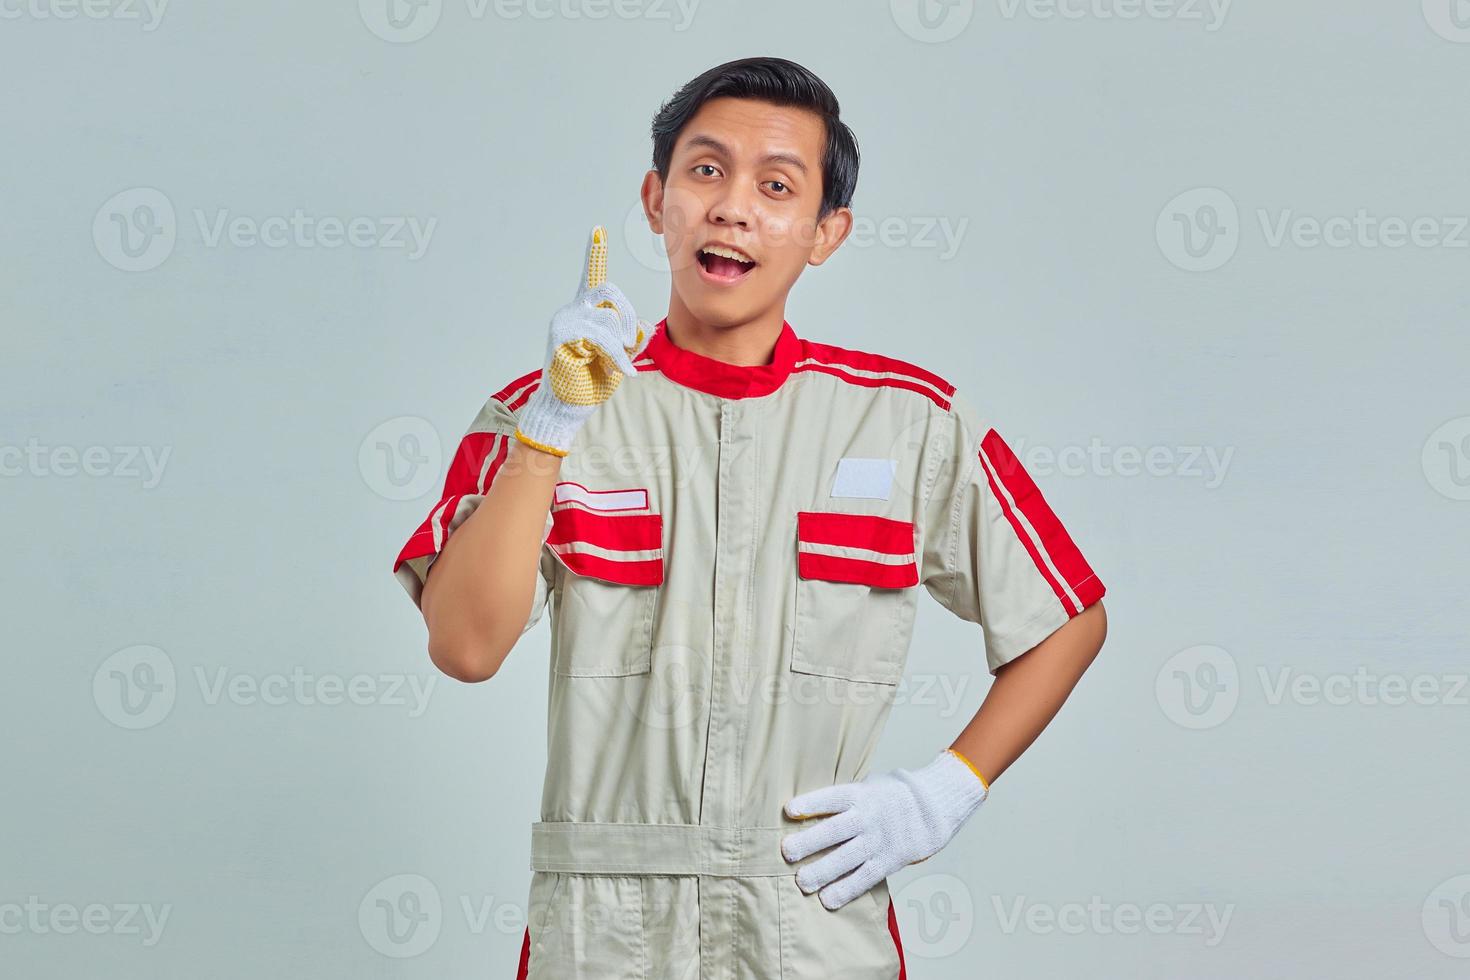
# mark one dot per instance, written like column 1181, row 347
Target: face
column 745, row 179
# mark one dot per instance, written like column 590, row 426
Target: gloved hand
column 888, row 822
column 592, row 343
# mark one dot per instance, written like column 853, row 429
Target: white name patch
column 860, row 477
column 602, row 500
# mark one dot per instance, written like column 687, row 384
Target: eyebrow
column 713, row 144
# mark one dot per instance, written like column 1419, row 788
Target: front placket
column 734, row 569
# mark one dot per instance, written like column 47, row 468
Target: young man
column 734, row 522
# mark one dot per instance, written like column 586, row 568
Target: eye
column 778, row 185
column 704, row 166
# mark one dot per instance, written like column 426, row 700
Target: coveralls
column 733, row 555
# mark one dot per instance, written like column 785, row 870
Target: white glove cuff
column 548, row 423
column 952, row 788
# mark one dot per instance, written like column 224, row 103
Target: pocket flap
column 625, row 549
column 860, row 548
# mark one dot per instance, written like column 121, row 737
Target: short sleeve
column 994, row 551
column 477, row 460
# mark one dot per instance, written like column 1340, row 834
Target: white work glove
column 888, row 822
column 592, row 343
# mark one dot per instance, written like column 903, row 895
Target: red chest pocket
column 860, row 548
column 607, row 534
column 626, row 549
column 855, row 596
column 603, row 614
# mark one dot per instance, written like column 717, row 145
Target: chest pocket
column 603, row 614
column 855, row 595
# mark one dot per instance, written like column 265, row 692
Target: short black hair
column 774, row 80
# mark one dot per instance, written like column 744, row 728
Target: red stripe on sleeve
column 476, row 461
column 469, row 461
column 1051, row 540
column 515, row 386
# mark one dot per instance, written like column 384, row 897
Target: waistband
column 661, row 849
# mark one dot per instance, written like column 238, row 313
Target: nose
column 732, row 208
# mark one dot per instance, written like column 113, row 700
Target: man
column 734, row 521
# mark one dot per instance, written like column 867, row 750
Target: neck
column 746, row 343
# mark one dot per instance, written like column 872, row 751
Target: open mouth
column 724, row 265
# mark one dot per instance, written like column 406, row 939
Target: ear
column 652, row 195
column 831, row 232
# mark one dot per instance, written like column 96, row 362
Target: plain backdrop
column 1204, row 266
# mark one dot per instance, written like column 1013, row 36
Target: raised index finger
column 594, row 265
column 594, row 270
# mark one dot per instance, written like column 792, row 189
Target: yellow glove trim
column 536, row 445
column 983, row 781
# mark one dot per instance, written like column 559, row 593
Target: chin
column 723, row 307
column 723, row 314
column 720, row 311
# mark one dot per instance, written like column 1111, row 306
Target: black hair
column 774, row 80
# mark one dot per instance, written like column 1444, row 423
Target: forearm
column 478, row 594
column 1029, row 691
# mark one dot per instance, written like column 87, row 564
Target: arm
column 487, row 532
column 477, row 603
column 1029, row 691
column 995, row 554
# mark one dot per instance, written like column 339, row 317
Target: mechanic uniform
column 733, row 556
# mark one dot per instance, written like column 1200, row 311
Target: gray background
column 298, row 391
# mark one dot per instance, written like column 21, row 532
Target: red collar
column 714, row 377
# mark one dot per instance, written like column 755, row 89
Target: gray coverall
column 733, row 555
